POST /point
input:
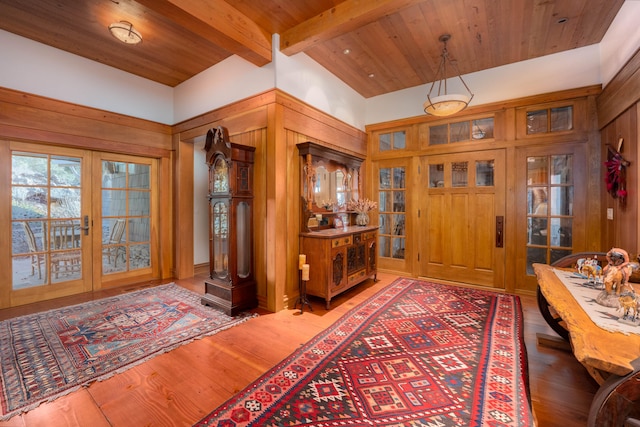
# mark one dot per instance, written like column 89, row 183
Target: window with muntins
column 392, row 208
column 550, row 190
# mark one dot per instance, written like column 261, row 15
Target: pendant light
column 442, row 103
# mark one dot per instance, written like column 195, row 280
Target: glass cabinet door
column 220, row 237
column 243, row 236
column 218, row 194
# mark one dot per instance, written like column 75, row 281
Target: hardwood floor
column 180, row 387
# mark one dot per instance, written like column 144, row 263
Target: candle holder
column 303, row 278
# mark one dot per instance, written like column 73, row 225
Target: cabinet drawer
column 356, row 276
column 368, row 236
column 341, row 241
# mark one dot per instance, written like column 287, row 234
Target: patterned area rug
column 46, row 355
column 415, row 354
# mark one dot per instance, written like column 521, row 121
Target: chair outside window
column 36, row 258
column 65, row 256
column 113, row 247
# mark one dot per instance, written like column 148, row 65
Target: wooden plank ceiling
column 392, row 44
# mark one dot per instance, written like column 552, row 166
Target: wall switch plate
column 609, row 213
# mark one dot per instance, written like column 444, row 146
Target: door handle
column 85, row 227
column 499, row 231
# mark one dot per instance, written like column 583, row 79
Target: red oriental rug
column 415, row 354
column 46, row 355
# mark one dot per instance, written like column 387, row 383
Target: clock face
column 220, row 175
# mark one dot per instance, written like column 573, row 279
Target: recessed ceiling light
column 346, row 51
column 371, row 75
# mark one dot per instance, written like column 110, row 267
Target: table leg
column 617, row 402
column 550, row 316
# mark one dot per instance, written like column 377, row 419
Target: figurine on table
column 615, row 276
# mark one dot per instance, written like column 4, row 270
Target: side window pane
column 469, row 130
column 561, row 119
column 384, row 142
column 392, row 209
column 537, row 121
column 550, row 120
column 459, row 132
column 438, row 135
column 392, row 141
column 482, row 129
column 399, row 142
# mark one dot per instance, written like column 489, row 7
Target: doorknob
column 499, row 231
column 85, row 227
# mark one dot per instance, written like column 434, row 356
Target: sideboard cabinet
column 340, row 255
column 339, row 259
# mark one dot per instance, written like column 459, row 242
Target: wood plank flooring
column 180, row 387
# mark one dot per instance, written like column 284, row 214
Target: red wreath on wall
column 615, row 176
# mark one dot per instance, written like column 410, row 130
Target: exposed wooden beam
column 221, row 24
column 345, row 17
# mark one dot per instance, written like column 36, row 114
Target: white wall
column 571, row 69
column 621, row 41
column 200, row 205
column 231, row 80
column 300, row 76
column 33, row 67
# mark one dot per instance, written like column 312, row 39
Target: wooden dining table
column 611, row 358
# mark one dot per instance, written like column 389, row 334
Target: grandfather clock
column 231, row 286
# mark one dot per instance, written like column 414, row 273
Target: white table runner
column 606, row 318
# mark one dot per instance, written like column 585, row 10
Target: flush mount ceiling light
column 443, row 103
column 125, row 32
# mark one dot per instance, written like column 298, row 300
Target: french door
column 78, row 220
column 552, row 202
column 462, row 204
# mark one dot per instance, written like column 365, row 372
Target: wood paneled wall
column 34, row 119
column 510, row 135
column 619, row 119
column 622, row 230
column 274, row 123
